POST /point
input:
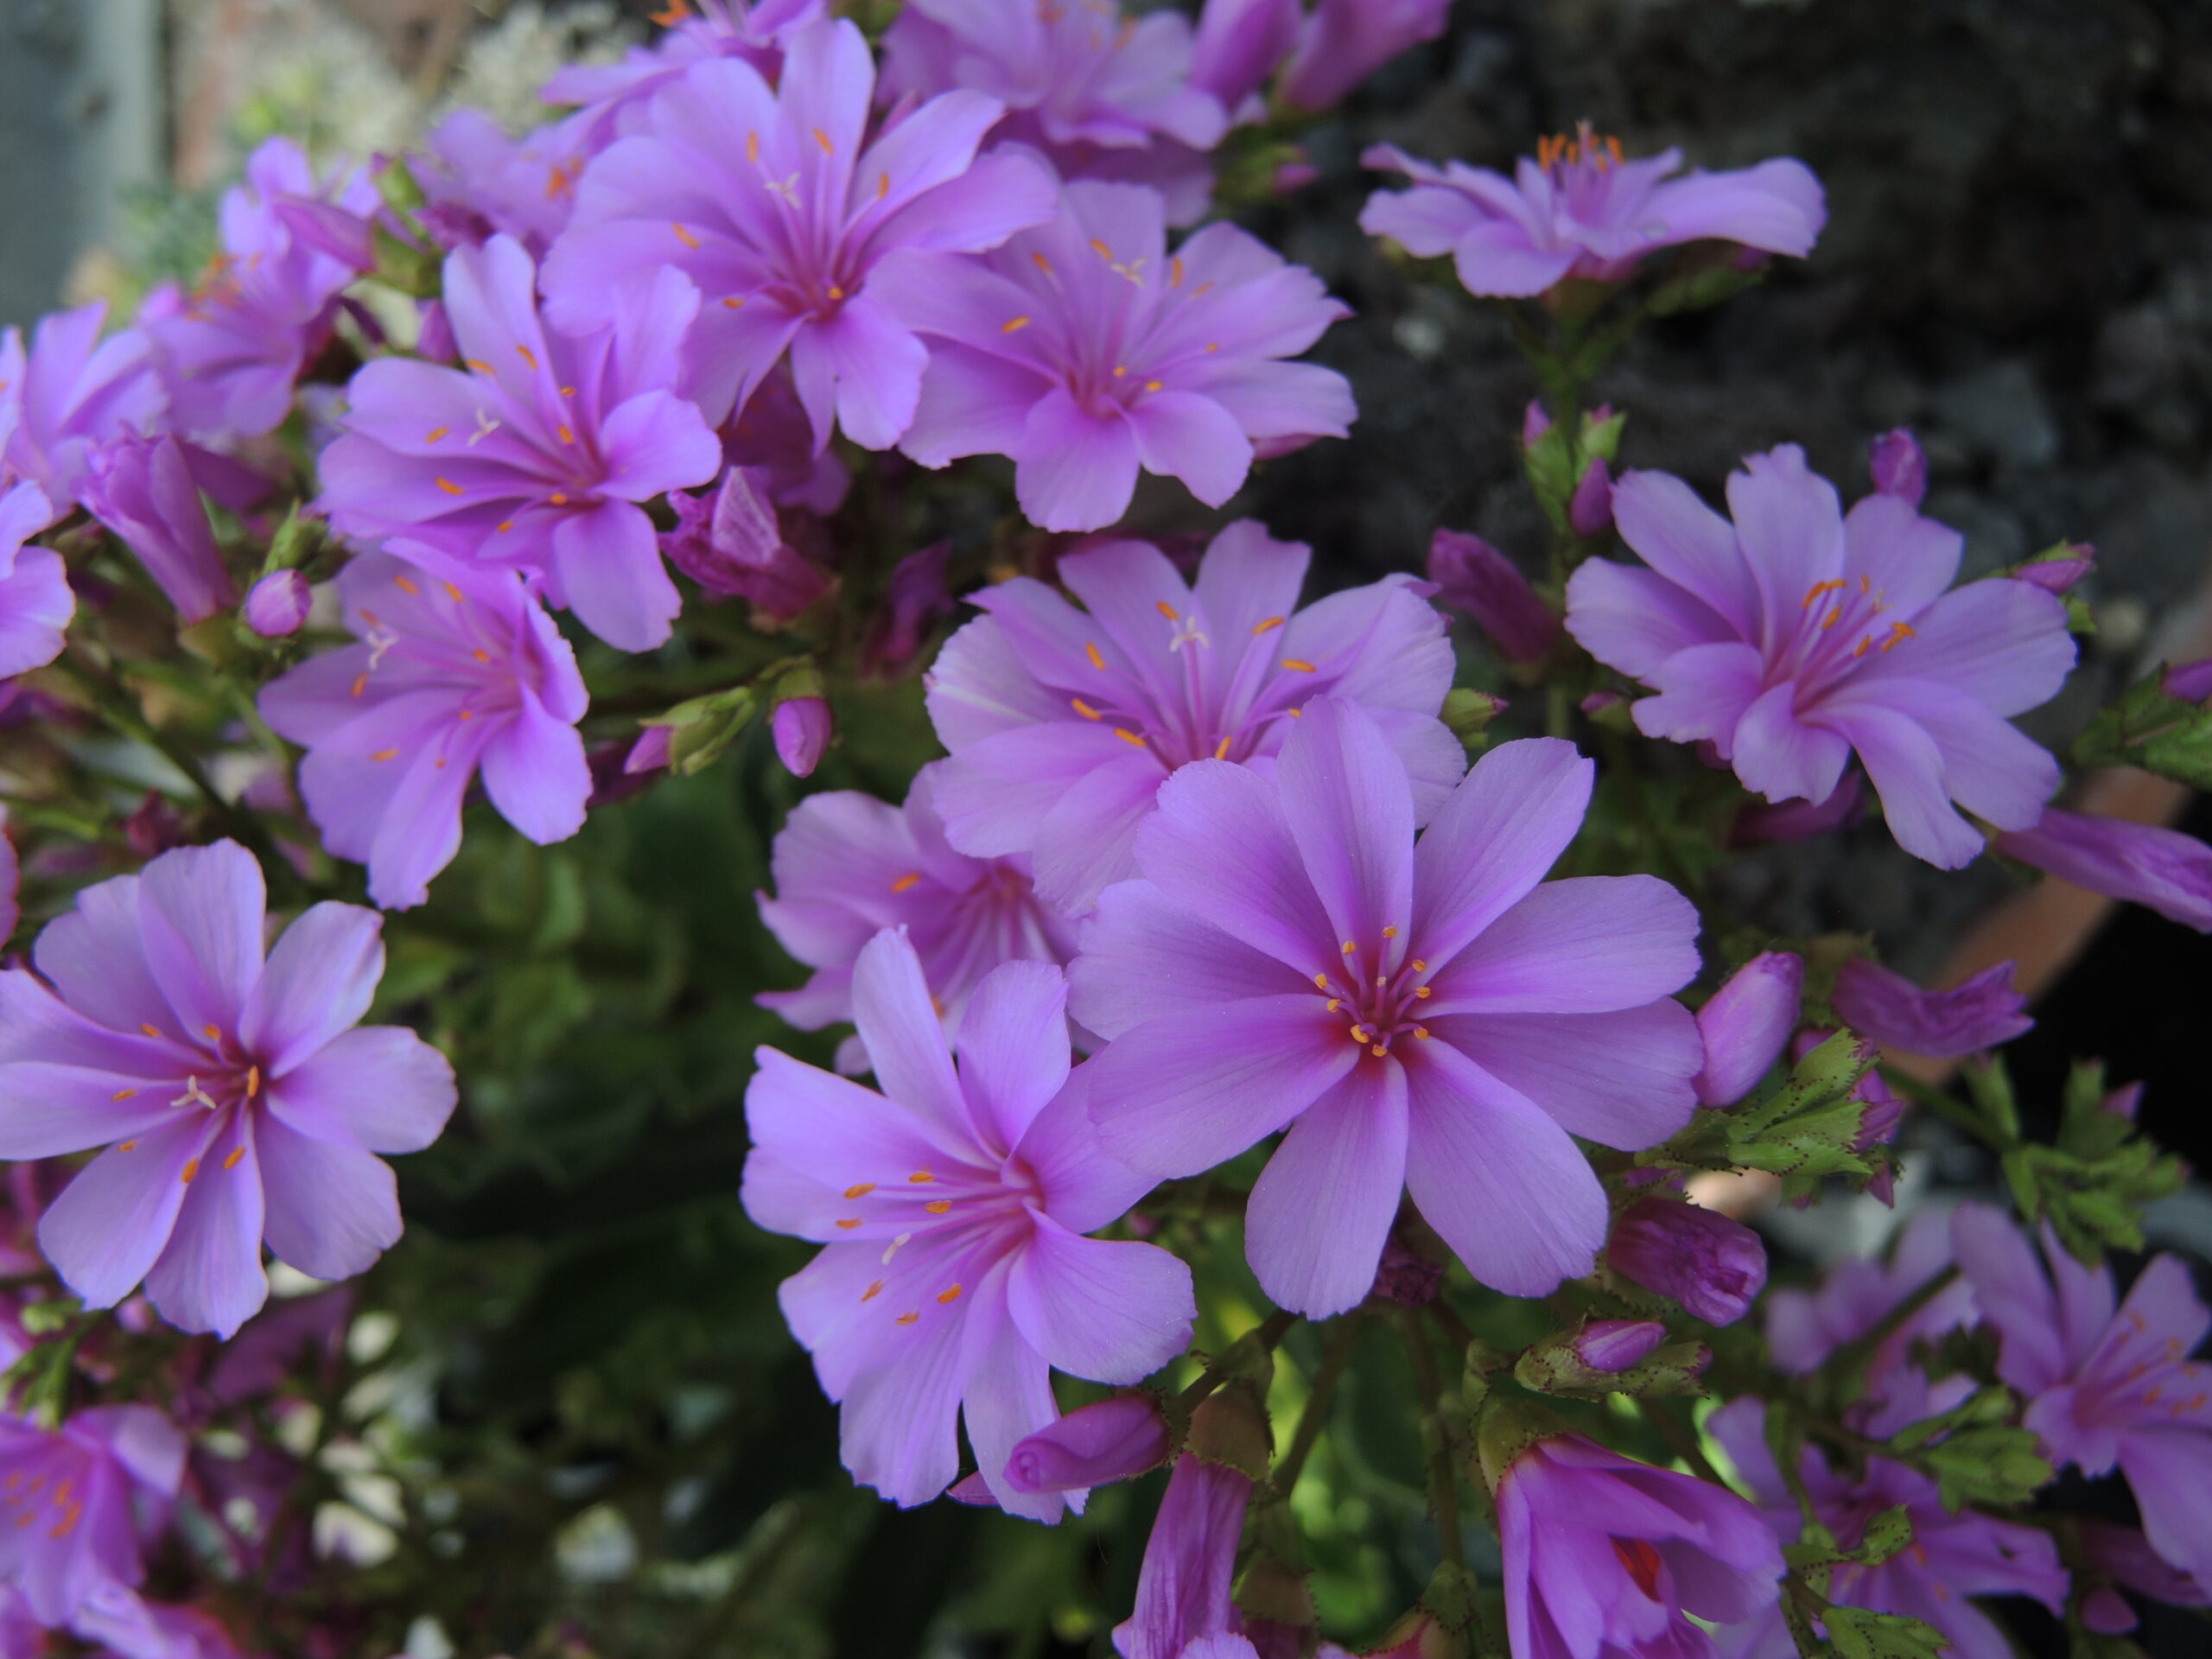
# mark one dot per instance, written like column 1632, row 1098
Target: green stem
column 1955, row 1112
column 1311, row 1421
column 1443, row 1479
column 1268, row 1334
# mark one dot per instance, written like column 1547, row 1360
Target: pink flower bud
column 802, row 728
column 1746, row 1024
column 278, row 604
column 1899, row 467
column 650, row 751
column 1800, row 820
column 1096, row 1446
column 1591, row 511
column 1534, row 423
column 2190, row 683
column 2143, row 863
column 1616, row 1345
column 1473, row 577
column 2105, row 1610
column 142, row 490
column 1346, row 41
column 434, row 342
column 2056, row 575
column 916, row 596
column 1715, row 1267
column 731, row 543
column 2123, row 1102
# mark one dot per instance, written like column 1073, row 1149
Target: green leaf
column 1885, row 1535
column 1995, row 1465
column 2143, row 727
column 1858, row 1634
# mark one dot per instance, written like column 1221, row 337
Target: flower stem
column 1311, row 1421
column 1435, row 1433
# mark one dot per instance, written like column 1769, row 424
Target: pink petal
column 1634, row 619
column 610, row 569
column 1012, row 1044
column 1322, row 1208
column 93, row 957
column 1779, row 756
column 536, row 774
column 969, row 404
column 103, row 1233
column 1142, row 956
column 1689, row 544
column 995, row 794
column 1088, row 839
column 2000, row 641
column 209, row 1275
column 1496, row 259
column 1589, row 944
column 36, row 608
column 1084, row 1189
column 1111, row 1312
column 655, row 443
column 200, row 914
column 382, row 1085
column 333, row 1208
column 1909, row 560
column 1495, row 838
column 1790, row 525
column 1074, row 470
column 1187, row 436
column 874, row 365
column 1622, row 1079
column 906, row 1043
column 1009, row 1398
column 1906, row 769
column 47, row 1110
column 318, row 982
column 1703, row 694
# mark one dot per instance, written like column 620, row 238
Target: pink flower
column 953, row 1206
column 731, row 543
column 1472, row 576
column 1746, row 1024
column 36, row 601
column 1714, row 1266
column 802, row 729
column 142, row 490
column 2145, row 864
column 72, row 394
column 276, row 605
column 724, row 29
column 71, row 1518
column 1094, row 1446
column 1183, row 1609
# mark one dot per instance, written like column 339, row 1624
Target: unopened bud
column 1899, row 467
column 1712, row 1266
column 802, row 728
column 1616, row 1345
column 2059, row 566
column 2190, row 683
column 1534, row 423
column 1096, row 1445
column 1591, row 511
column 278, row 604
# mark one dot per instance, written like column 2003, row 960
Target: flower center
column 1378, row 993
column 1840, row 622
column 1643, row 1563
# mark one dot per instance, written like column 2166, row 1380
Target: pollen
column 123, row 1094
column 1153, row 385
column 920, row 1178
column 1422, row 1032
column 873, row 1292
column 1349, row 947
column 506, row 523
column 482, row 655
column 236, row 1152
column 1175, row 272
column 559, row 498
column 1378, row 1049
column 1042, row 263
column 1335, row 1002
column 939, row 1206
column 1272, row 622
column 383, row 754
column 361, row 683
column 253, row 1081
column 823, row 139
column 566, row 436
column 448, row 486
column 1221, row 750
column 214, row 1033
column 1166, row 610
column 849, row 1223
column 1298, row 664
column 527, row 355
column 910, row 879
column 1813, row 593
column 882, row 186
column 127, row 1145
column 1320, row 982
column 1418, row 965
column 150, row 1030
column 735, row 301
column 407, row 587
column 1899, row 631
column 477, row 364
column 1015, row 326
column 860, row 1190
column 683, row 235
column 1084, row 708
column 1101, row 249
column 1424, row 991
column 191, row 1169
column 1090, row 650
column 835, row 292
column 1390, row 932
column 1136, row 737
column 906, row 1318
column 752, row 146
column 435, row 433
column 951, row 1295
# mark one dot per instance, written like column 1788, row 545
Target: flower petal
column 333, row 1208
column 1074, row 470
column 1689, row 544
column 1589, row 944
column 1493, row 840
column 1344, row 796
column 318, row 982
column 209, row 1275
column 906, row 1043
column 381, row 1085
column 1142, row 956
column 199, row 915
column 1219, row 847
column 1322, row 1208
column 611, row 572
column 1622, row 1079
column 536, row 774
column 1012, row 1044
column 104, row 1231
column 1108, row 1311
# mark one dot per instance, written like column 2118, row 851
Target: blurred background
column 2018, row 266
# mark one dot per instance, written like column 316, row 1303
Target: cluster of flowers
column 1201, row 866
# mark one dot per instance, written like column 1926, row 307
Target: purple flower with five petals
column 1063, row 724
column 1431, row 1018
column 781, row 209
column 2104, row 1386
column 69, row 396
column 1894, row 1011
column 459, row 670
column 538, row 450
column 236, row 1099
column 70, row 1518
column 1580, row 210
column 1084, row 350
column 953, row 1205
column 1797, row 635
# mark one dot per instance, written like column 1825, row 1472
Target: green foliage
column 2143, row 727
column 1805, row 1129
column 1856, row 1633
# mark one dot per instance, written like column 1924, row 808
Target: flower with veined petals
column 459, row 670
column 1183, row 1609
column 69, row 395
column 479, row 182
column 1431, row 1018
column 1063, row 724
column 69, row 1538
column 2105, row 1386
column 847, row 866
column 537, row 451
column 1580, row 210
column 236, row 1097
column 1796, row 636
column 953, row 1206
column 1084, row 350
column 781, row 210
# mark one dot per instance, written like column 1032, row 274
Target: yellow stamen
column 1175, row 272
column 1390, row 932
column 1320, row 982
column 1166, row 610
column 1015, row 326
column 478, row 363
column 939, row 1207
column 906, row 1318
column 383, row 754
column 191, row 1169
column 1424, row 990
column 448, row 486
column 1090, row 650
column 835, row 292
column 1422, row 1032
column 1335, row 1002
column 253, row 1081
column 236, row 1152
column 128, row 1145
column 873, row 1292
column 860, row 1191
column 436, row 432
column 1221, row 750
column 823, row 139
column 1153, row 385
column 1298, row 664
column 952, row 1295
column 123, row 1094
column 1349, row 947
column 685, row 236
column 528, row 356
column 1272, row 622
column 407, row 587
column 1129, row 737
column 752, row 146
column 849, row 1223
column 1378, row 1049
column 566, row 436
column 1084, row 708
column 214, row 1033
column 910, row 879
column 920, row 1178
column 150, row 1030
column 361, row 683
column 735, row 301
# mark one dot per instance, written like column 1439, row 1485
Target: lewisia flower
column 2104, row 1386
column 953, row 1206
column 69, row 1535
column 1580, row 210
column 1431, row 1018
column 721, row 29
column 1951, row 1558
column 1084, row 350
column 459, row 670
column 1604, row 1557
column 1746, row 1023
column 35, row 603
column 1713, row 1265
column 2145, row 864
column 1097, row 1445
column 142, row 490
column 71, row 393
column 1892, row 1010
column 236, row 1099
column 479, row 182
column 779, row 207
column 538, row 452
column 230, row 350
column 1182, row 1608
column 1796, row 636
column 1063, row 723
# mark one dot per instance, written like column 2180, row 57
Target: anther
column 1015, row 326
column 1379, row 1050
column 1422, row 1032
column 938, row 1207
column 1320, row 982
column 527, row 355
column 1090, row 650
column 952, row 1295
column 823, row 139
column 1349, row 947
column 151, row 1031
column 1221, row 750
column 191, row 1169
column 435, row 433
column 1335, row 1002
column 1134, row 738
column 860, row 1190
column 383, row 754
column 873, row 1292
column 1166, row 610
column 253, row 1081
column 920, row 1178
column 236, row 1152
column 849, row 1223
column 1084, row 708
column 1298, row 664
column 910, row 879
column 447, row 486
column 123, row 1094
column 906, row 1318
column 1423, row 990
column 683, row 236
column 1272, row 622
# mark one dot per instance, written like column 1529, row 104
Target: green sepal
column 396, row 183
column 1998, row 1464
column 1468, row 714
column 1885, row 1535
column 1697, row 290
column 1856, row 1633
column 1806, row 1127
column 702, row 728
column 1509, row 1427
column 1552, row 1366
column 2143, row 727
column 403, row 265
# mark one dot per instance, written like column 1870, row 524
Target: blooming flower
column 142, row 490
column 2105, row 1386
column 538, row 452
column 754, row 34
column 1894, row 1011
column 1603, row 1556
column 1580, row 210
column 731, row 543
column 1745, row 1024
column 1094, row 1446
column 1714, row 1266
column 777, row 205
column 69, row 1540
column 1084, row 350
column 1951, row 1557
column 1183, row 1609
column 230, row 350
column 479, row 182
column 1064, row 723
column 459, row 669
column 847, row 866
column 2145, row 864
column 35, row 603
column 236, row 1099
column 1425, row 1018
column 1344, row 42
column 953, row 1206
column 1473, row 577
column 1796, row 635
column 71, row 394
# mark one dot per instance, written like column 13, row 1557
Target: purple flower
column 1796, row 635
column 1714, row 1266
column 459, row 669
column 914, row 600
column 236, row 1099
column 1616, row 1345
column 69, row 1535
column 1084, row 350
column 730, row 543
column 1183, row 1609
column 754, row 34
column 1746, row 1024
column 72, row 394
column 1580, row 210
column 1425, row 1018
column 1096, row 1445
column 1064, row 723
column 142, row 489
column 1899, row 467
column 802, row 729
column 772, row 435
column 1590, row 513
column 2104, row 1386
column 1346, row 41
column 1804, row 1328
column 538, row 452
column 278, row 604
column 35, row 602
column 1894, row 1011
column 2126, row 1555
column 847, row 866
column 2190, row 682
column 1951, row 1557
column 1239, row 44
column 1473, row 577
column 1604, row 1557
column 777, row 205
column 479, row 182
column 2138, row 863
column 952, row 1207
column 230, row 350
column 2061, row 568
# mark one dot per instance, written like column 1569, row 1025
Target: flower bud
column 2143, row 863
column 1899, row 467
column 2190, row 683
column 1473, row 577
column 915, row 597
column 433, row 342
column 1096, row 1445
column 1615, row 1344
column 1534, row 423
column 2123, row 1102
column 1590, row 511
column 802, row 728
column 277, row 604
column 1712, row 1266
column 1894, row 1011
column 1346, row 41
column 1746, row 1024
column 142, row 489
column 650, row 751
column 1188, row 1562
column 731, row 543
column 2057, row 569
column 1239, row 44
